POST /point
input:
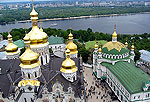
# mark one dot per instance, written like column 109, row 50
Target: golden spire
column 126, row 43
column 96, row 45
column 70, row 35
column 29, row 59
column 114, row 34
column 100, row 49
column 132, row 47
column 68, row 66
column 34, row 15
column 71, row 46
column 11, row 48
column 41, row 26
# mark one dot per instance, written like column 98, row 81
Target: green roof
column 131, row 77
column 90, row 44
column 114, row 51
column 19, row 43
column 55, row 40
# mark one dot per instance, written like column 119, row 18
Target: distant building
column 144, row 58
column 114, row 63
column 147, row 3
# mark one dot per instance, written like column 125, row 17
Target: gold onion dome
column 68, row 65
column 96, row 46
column 126, row 43
column 100, row 50
column 132, row 47
column 114, row 34
column 29, row 59
column 36, row 35
column 11, row 48
column 71, row 46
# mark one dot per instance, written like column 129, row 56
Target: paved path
column 91, row 82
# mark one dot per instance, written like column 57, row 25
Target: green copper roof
column 19, row 43
column 131, row 77
column 55, row 40
column 114, row 51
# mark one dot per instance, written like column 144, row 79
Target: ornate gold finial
column 25, row 27
column 70, row 35
column 67, row 53
column 115, row 28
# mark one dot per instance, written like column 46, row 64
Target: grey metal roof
column 145, row 55
column 2, row 55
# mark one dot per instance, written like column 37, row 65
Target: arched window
column 29, row 76
column 41, row 60
column 121, row 98
column 117, row 92
column 46, row 58
column 114, row 88
column 35, row 74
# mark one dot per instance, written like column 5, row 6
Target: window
column 29, row 76
column 121, row 98
column 35, row 74
column 114, row 88
column 25, row 100
column 117, row 92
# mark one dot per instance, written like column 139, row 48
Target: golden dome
column 114, row 34
column 37, row 37
column 71, row 46
column 11, row 48
column 100, row 50
column 126, row 44
column 132, row 47
column 68, row 66
column 70, row 36
column 34, row 14
column 96, row 46
column 29, row 82
column 29, row 59
column 114, row 45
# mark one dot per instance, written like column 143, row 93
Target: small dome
column 11, row 48
column 96, row 46
column 71, row 46
column 114, row 34
column 68, row 66
column 100, row 50
column 132, row 47
column 33, row 13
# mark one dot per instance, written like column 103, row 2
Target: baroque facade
column 114, row 63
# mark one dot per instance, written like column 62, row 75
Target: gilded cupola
column 11, row 48
column 100, row 49
column 114, row 34
column 126, row 44
column 71, row 46
column 132, row 47
column 37, row 37
column 29, row 59
column 68, row 65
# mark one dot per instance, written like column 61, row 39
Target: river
column 126, row 24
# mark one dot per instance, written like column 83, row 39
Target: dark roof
column 11, row 75
column 9, row 68
column 52, row 75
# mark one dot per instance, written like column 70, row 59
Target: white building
column 114, row 63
